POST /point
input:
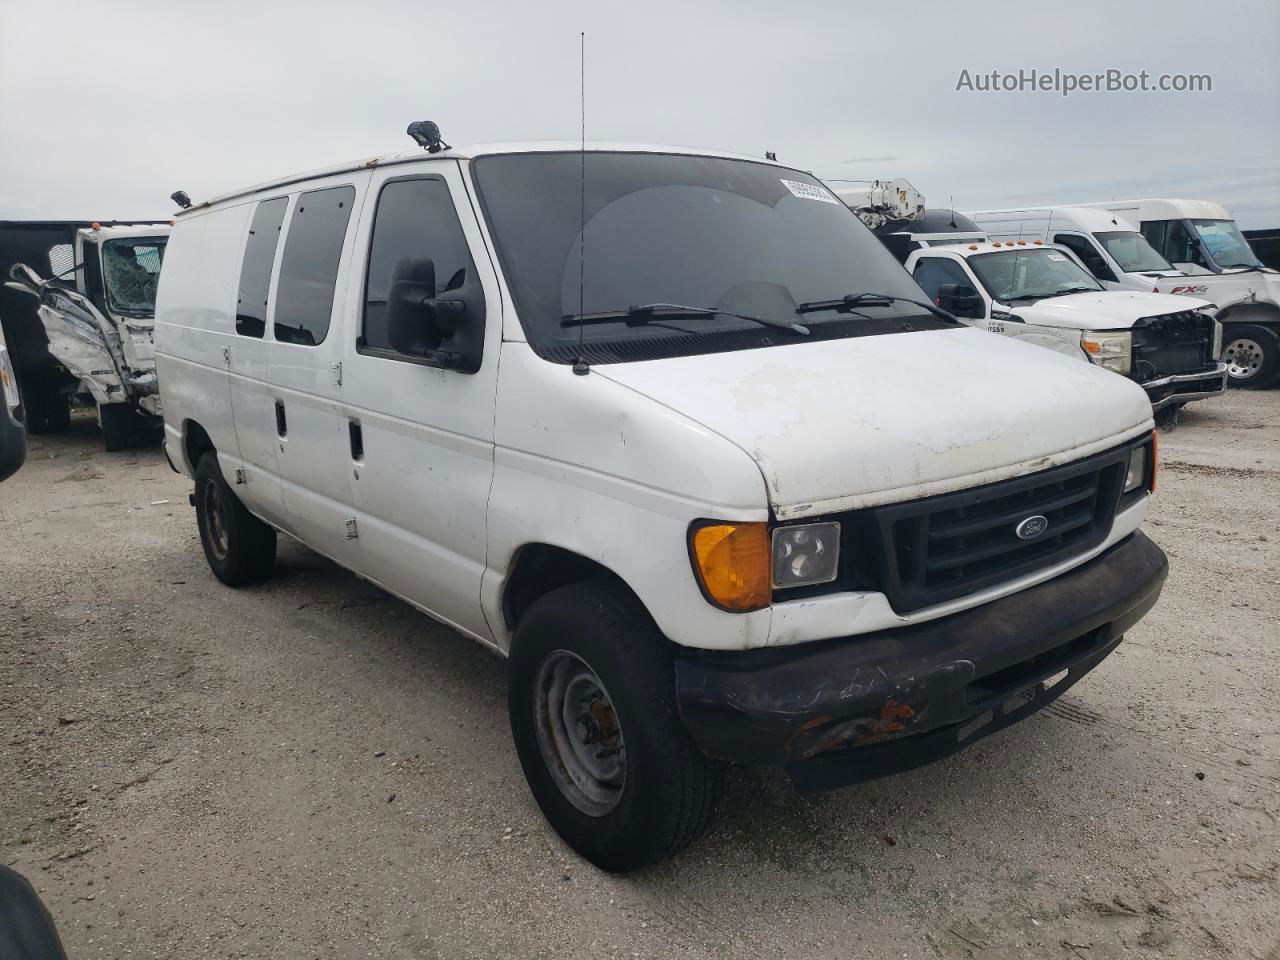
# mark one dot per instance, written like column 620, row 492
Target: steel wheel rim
column 215, row 520
column 1244, row 358
column 579, row 733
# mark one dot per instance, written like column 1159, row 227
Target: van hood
column 841, row 424
column 1104, row 310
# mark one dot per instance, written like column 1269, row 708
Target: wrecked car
column 98, row 317
column 677, row 435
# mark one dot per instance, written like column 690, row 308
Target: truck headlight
column 1111, row 350
column 805, row 554
column 1138, row 476
column 1217, row 340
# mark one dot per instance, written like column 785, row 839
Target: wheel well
column 540, row 568
column 1263, row 314
column 195, row 444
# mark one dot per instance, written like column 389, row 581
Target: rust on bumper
column 838, row 711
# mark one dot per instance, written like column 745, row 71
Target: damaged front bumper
column 1184, row 387
column 836, row 712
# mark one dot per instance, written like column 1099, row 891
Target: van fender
column 644, row 547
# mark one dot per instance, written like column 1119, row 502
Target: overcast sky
column 108, row 107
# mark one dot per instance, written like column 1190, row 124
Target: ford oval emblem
column 1031, row 527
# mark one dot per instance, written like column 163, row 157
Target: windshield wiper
column 851, row 302
column 638, row 315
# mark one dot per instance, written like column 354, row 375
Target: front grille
column 948, row 546
column 1176, row 343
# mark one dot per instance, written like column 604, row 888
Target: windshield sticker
column 1057, row 256
column 808, row 191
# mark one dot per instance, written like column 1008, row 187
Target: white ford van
column 673, row 432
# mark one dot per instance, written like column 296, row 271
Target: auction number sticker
column 808, row 191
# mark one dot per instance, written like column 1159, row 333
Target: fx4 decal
column 1190, row 291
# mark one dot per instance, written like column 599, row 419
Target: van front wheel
column 240, row 548
column 591, row 693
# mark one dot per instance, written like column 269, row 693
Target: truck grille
column 943, row 547
column 1176, row 343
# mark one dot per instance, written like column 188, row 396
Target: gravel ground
column 310, row 769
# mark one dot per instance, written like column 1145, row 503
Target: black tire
column 1252, row 353
column 114, row 420
column 240, row 548
column 667, row 789
column 57, row 416
column 1166, row 418
column 26, row 928
column 46, row 408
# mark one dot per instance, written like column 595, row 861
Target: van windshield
column 1031, row 274
column 1132, row 252
column 1225, row 243
column 734, row 235
column 131, row 270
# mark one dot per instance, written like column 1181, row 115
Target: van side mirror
column 444, row 331
column 961, row 300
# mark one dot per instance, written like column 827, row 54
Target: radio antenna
column 580, row 365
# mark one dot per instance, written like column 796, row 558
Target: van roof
column 1089, row 219
column 1164, row 209
column 470, row 153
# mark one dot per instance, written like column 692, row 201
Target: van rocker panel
column 845, row 710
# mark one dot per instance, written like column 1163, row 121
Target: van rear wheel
column 1252, row 355
column 591, row 694
column 240, row 548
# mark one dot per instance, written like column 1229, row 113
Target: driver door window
column 1083, row 248
column 415, row 218
column 932, row 272
column 1172, row 239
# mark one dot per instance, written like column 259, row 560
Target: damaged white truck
column 98, row 315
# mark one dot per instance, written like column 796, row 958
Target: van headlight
column 805, row 554
column 1107, row 349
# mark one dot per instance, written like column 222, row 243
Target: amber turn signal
column 731, row 561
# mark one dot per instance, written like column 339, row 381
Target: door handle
column 356, row 433
column 282, row 425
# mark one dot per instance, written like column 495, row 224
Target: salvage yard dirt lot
column 311, row 769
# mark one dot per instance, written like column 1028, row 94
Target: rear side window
column 255, row 271
column 932, row 272
column 415, row 218
column 309, row 270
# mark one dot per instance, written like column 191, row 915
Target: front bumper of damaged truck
column 1184, row 387
column 840, row 711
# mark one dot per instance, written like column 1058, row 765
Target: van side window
column 1087, row 253
column 309, row 270
column 415, row 218
column 932, row 272
column 255, row 269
